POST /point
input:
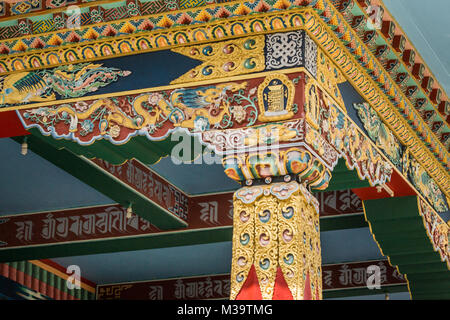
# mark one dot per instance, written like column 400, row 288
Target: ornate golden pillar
column 276, row 232
column 276, row 235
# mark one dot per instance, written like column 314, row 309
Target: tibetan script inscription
column 151, row 185
column 71, row 225
column 335, row 277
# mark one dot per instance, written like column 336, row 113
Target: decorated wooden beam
column 160, row 111
column 236, row 114
column 105, row 229
column 117, row 156
column 404, row 130
column 327, row 12
column 410, row 61
column 42, row 280
column 416, row 240
column 408, row 174
column 114, row 10
column 14, row 9
column 340, row 280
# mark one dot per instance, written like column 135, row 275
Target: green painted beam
column 352, row 221
column 347, row 185
column 148, row 152
column 152, row 241
column 398, row 227
column 343, row 178
column 364, row 291
column 419, row 257
column 139, row 147
column 84, row 170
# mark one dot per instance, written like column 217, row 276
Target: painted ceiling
column 31, row 184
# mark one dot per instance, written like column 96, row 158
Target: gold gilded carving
column 224, row 59
column 270, row 134
column 243, row 244
column 32, row 92
column 282, row 222
column 329, row 76
column 266, row 244
column 312, row 105
column 276, row 98
column 299, row 245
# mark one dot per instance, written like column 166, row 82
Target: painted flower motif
column 87, row 126
column 239, row 113
column 151, row 129
column 114, row 131
column 39, row 112
column 132, row 9
column 81, row 106
column 24, row 28
column 325, row 126
column 154, row 98
column 59, row 22
column 171, row 4
column 96, row 16
column 201, row 124
column 252, row 91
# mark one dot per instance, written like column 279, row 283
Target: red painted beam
column 398, row 185
column 10, row 125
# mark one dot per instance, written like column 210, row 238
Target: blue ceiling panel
column 30, row 184
column 153, row 264
column 349, row 245
column 195, row 178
